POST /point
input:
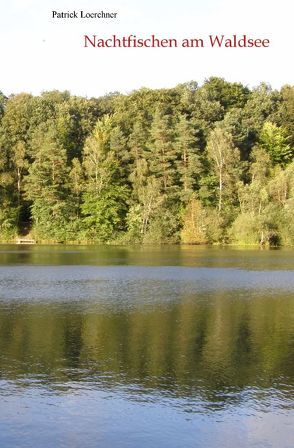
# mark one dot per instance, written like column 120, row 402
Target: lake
column 132, row 347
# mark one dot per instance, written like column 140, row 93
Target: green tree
column 189, row 164
column 276, row 142
column 3, row 100
column 139, row 168
column 194, row 223
column 8, row 204
column 162, row 157
column 226, row 93
column 225, row 161
column 76, row 185
column 285, row 112
column 46, row 186
column 104, row 203
column 104, row 213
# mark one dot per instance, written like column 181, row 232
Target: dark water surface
column 146, row 347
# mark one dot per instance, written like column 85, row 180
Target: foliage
column 194, row 224
column 275, row 141
column 192, row 164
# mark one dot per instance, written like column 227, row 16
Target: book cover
column 146, row 224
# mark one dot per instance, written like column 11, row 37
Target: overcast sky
column 39, row 53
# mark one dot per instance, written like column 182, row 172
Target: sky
column 40, row 53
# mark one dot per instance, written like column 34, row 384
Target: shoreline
column 151, row 244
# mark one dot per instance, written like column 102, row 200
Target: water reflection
column 127, row 356
column 213, row 350
column 200, row 256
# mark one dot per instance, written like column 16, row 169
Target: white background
column 39, row 53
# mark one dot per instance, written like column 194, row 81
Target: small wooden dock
column 25, row 241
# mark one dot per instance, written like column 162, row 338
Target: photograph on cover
column 146, row 224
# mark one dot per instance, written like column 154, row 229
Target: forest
column 193, row 164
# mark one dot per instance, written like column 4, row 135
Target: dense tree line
column 192, row 164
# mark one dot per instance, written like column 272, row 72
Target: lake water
column 146, row 347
